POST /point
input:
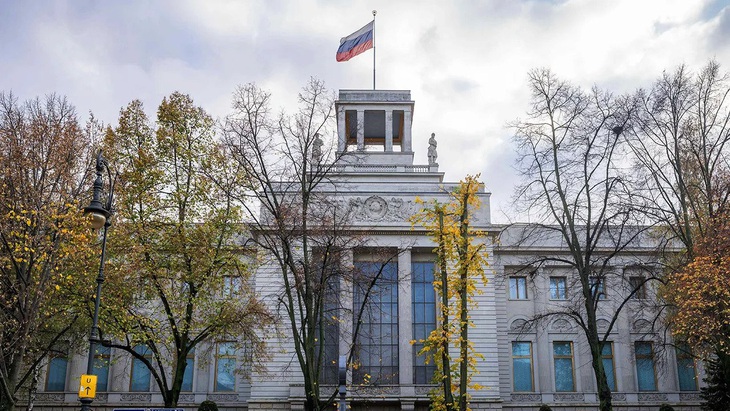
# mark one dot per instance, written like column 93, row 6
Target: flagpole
column 374, row 13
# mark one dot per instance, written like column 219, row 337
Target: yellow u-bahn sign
column 87, row 389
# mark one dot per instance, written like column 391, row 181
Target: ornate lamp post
column 100, row 212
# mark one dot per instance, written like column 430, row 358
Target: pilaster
column 360, row 130
column 405, row 317
column 389, row 130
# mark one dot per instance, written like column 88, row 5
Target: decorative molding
column 689, row 396
column 398, row 96
column 369, row 391
column 641, row 326
column 102, row 397
column 223, row 397
column 652, row 396
column 527, row 397
column 135, row 397
column 561, row 326
column 50, row 397
column 519, row 326
column 561, row 397
column 186, row 398
column 424, row 389
column 602, row 325
column 618, row 396
column 376, row 208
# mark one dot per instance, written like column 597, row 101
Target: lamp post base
column 86, row 404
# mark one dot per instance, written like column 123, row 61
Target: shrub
column 208, row 405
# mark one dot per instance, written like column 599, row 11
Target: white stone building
column 521, row 368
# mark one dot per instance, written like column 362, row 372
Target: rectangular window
column 140, row 378
column 598, row 290
column 101, row 367
column 522, row 366
column 608, row 365
column 225, row 367
column 637, row 283
column 563, row 360
column 376, row 352
column 187, row 383
column 56, row 378
column 686, row 368
column 231, row 286
column 424, row 318
column 518, row 288
column 645, row 373
column 558, row 289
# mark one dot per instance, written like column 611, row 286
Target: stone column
column 361, row 130
column 407, row 120
column 388, row 130
column 341, row 130
column 405, row 318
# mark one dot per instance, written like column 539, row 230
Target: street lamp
column 100, row 212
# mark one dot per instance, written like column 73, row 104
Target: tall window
column 187, row 383
column 637, row 283
column 140, row 378
column 101, row 367
column 225, row 367
column 424, row 318
column 558, row 289
column 56, row 378
column 686, row 368
column 376, row 352
column 598, row 288
column 563, row 360
column 522, row 366
column 330, row 335
column 518, row 288
column 608, row 365
column 645, row 372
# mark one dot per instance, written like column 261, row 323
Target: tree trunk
column 594, row 343
column 445, row 363
column 463, row 295
column 8, row 400
column 604, row 392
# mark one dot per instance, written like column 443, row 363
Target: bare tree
column 681, row 146
column 300, row 225
column 571, row 156
column 44, row 241
column 680, row 142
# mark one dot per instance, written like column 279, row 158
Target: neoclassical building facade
column 522, row 367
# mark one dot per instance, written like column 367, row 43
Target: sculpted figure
column 432, row 155
column 317, row 149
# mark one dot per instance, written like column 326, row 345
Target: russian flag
column 356, row 43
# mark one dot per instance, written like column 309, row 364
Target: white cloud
column 465, row 62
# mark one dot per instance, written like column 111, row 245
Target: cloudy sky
column 465, row 62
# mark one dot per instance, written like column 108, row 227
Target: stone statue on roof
column 317, row 149
column 432, row 155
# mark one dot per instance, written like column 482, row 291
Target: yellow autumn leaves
column 461, row 259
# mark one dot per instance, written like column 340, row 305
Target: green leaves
column 173, row 252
